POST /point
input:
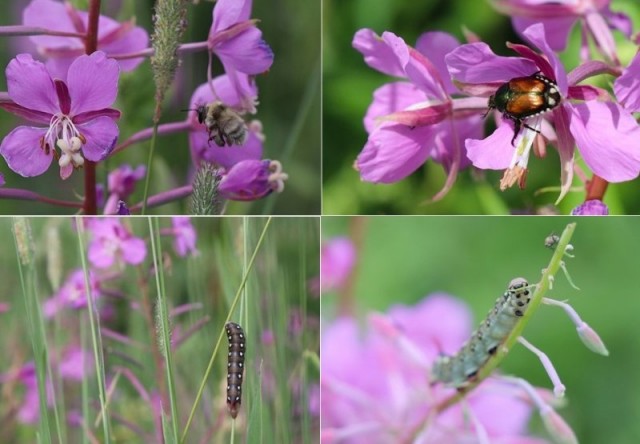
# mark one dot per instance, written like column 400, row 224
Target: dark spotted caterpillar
column 458, row 370
column 235, row 367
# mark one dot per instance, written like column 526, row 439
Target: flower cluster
column 112, row 246
column 69, row 96
column 435, row 110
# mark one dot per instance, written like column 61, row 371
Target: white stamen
column 277, row 177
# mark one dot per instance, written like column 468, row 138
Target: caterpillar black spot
column 235, row 367
column 458, row 370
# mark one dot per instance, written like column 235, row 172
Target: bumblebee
column 225, row 126
column 524, row 97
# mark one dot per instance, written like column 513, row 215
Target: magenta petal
column 536, row 35
column 99, row 256
column 438, row 320
column 135, row 40
column 50, row 14
column 377, row 53
column 101, row 134
column 27, row 113
column 229, row 156
column 134, row 251
column 492, row 398
column 30, row 85
column 415, row 65
column 556, row 29
column 246, row 52
column 229, row 12
column 59, row 66
column 591, row 208
column 393, row 152
column 493, row 152
column 607, row 138
column 476, row 63
column 627, row 86
column 390, row 98
column 246, row 180
column 225, row 92
column 435, row 46
column 93, row 82
column 21, row 149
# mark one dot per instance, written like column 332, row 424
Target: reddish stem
column 596, row 188
column 346, row 295
column 90, row 46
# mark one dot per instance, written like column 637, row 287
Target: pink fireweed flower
column 79, row 121
column 627, row 86
column 337, row 260
column 252, row 180
column 113, row 243
column 122, row 183
column 558, row 17
column 113, row 37
column 603, row 131
column 238, row 43
column 76, row 364
column 204, row 150
column 415, row 119
column 29, row 411
column 375, row 386
column 184, row 240
column 72, row 294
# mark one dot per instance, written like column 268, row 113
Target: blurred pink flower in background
column 113, row 243
column 376, row 389
column 338, row 257
column 72, row 294
column 184, row 241
column 113, row 37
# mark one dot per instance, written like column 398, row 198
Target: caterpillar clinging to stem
column 460, row 369
column 235, row 366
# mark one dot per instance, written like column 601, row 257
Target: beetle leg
column 516, row 129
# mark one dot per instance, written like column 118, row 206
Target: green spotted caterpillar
column 460, row 369
column 235, row 366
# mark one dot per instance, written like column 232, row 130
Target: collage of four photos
column 319, row 221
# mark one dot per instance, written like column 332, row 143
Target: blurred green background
column 280, row 317
column 289, row 109
column 403, row 259
column 348, row 86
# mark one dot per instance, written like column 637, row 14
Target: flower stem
column 182, row 49
column 536, row 299
column 165, row 197
column 90, row 46
column 20, row 30
column 19, row 194
column 145, row 134
column 596, row 188
column 147, row 178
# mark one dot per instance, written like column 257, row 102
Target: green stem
column 536, row 300
column 96, row 339
column 222, row 332
column 149, row 161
